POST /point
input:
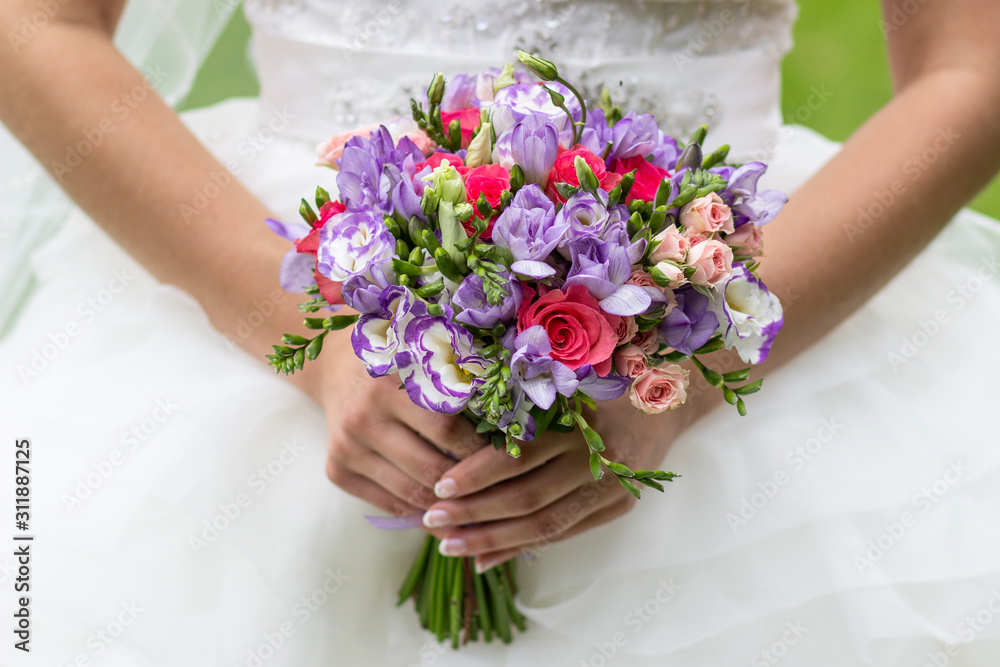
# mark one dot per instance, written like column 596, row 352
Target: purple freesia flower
column 530, row 230
column 532, row 144
column 665, row 153
column 352, row 242
column 596, row 132
column 603, row 267
column 477, row 311
column 296, row 268
column 584, row 215
column 599, row 388
column 371, row 167
column 691, row 323
column 458, row 92
column 750, row 316
column 363, row 292
column 438, row 366
column 377, row 335
column 536, row 372
column 520, row 414
column 515, row 102
column 634, row 135
column 747, row 203
column 486, row 83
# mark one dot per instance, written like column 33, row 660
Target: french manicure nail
column 483, row 564
column 437, row 518
column 445, row 488
column 453, row 546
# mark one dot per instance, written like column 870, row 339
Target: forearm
column 69, row 80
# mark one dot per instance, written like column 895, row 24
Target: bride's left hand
column 495, row 506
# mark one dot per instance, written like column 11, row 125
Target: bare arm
column 63, row 83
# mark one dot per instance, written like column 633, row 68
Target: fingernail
column 445, row 488
column 483, row 564
column 453, row 546
column 437, row 518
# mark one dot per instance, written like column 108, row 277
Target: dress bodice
column 336, row 65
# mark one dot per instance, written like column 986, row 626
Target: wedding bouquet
column 516, row 254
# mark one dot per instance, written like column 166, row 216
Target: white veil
column 170, row 37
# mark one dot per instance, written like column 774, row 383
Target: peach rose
column 647, row 341
column 712, row 261
column 674, row 274
column 659, row 389
column 627, row 329
column 707, row 215
column 747, row 240
column 332, row 149
column 630, row 361
column 672, row 246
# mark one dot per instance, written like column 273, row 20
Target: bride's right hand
column 381, row 446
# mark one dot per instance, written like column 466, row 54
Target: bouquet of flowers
column 516, row 254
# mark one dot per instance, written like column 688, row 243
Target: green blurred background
column 838, row 45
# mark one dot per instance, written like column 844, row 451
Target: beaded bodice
column 339, row 64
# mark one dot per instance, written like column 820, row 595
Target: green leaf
column 717, row 156
column 630, row 487
column 314, row 347
column 595, row 465
column 652, row 484
column 713, row 345
column 593, row 438
column 307, row 213
column 619, row 469
column 675, row 357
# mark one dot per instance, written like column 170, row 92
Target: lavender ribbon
column 415, row 520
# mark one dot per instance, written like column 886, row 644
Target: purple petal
column 532, row 269
column 296, row 271
column 627, row 300
column 540, row 390
column 290, row 231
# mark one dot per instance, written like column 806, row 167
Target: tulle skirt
column 182, row 516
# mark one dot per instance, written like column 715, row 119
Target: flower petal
column 627, row 300
column 532, row 269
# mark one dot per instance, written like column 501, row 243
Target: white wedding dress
column 179, row 503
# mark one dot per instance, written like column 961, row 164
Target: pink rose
column 674, row 274
column 640, row 278
column 707, row 215
column 647, row 177
column 647, row 341
column 578, row 330
column 332, row 149
column 659, row 389
column 672, row 246
column 747, row 240
column 630, row 361
column 627, row 329
column 309, row 244
column 489, row 180
column 468, row 119
column 712, row 261
column 434, row 161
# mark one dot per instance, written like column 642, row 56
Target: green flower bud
column 543, row 69
column 505, row 79
column 447, row 184
column 480, row 150
column 435, row 92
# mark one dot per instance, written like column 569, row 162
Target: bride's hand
column 548, row 493
column 381, row 446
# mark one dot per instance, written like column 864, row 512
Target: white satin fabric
column 183, row 517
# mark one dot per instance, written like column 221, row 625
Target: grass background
column 838, row 45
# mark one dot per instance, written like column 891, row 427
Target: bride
column 181, row 503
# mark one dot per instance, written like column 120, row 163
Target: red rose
column 434, row 161
column 469, row 119
column 564, row 171
column 309, row 244
column 647, row 177
column 578, row 330
column 489, row 180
